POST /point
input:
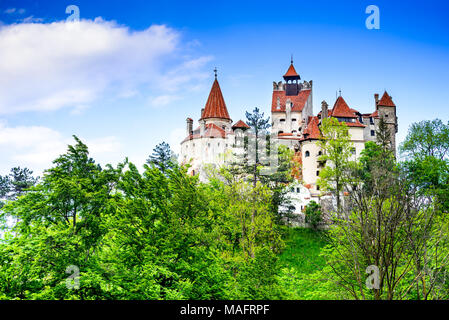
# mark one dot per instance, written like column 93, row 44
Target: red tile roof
column 312, row 130
column 355, row 124
column 386, row 101
column 291, row 72
column 342, row 110
column 298, row 101
column 211, row 130
column 240, row 124
column 215, row 105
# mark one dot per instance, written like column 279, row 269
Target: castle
column 293, row 123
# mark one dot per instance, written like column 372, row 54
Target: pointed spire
column 291, row 72
column 341, row 109
column 386, row 101
column 215, row 105
column 215, row 71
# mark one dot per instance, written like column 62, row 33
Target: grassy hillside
column 303, row 249
column 301, row 257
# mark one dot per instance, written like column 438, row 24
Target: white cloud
column 162, row 100
column 31, row 19
column 36, row 147
column 10, row 10
column 48, row 66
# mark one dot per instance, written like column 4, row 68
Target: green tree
column 313, row 214
column 426, row 162
column 162, row 157
column 427, row 139
column 59, row 223
column 337, row 147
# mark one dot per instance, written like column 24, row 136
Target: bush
column 313, row 214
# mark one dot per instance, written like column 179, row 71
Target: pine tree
column 163, row 157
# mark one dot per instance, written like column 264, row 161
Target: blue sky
column 130, row 74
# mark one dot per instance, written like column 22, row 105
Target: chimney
column 324, row 110
column 189, row 126
column 376, row 99
column 202, row 127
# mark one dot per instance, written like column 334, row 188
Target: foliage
column 427, row 139
column 389, row 225
column 313, row 214
column 16, row 183
column 162, row 157
column 426, row 151
column 159, row 234
column 336, row 146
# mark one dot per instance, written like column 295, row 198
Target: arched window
column 317, row 173
column 320, row 153
column 307, row 154
column 280, row 132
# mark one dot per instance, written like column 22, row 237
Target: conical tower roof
column 291, row 72
column 215, row 105
column 386, row 101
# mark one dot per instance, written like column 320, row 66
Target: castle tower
column 215, row 110
column 387, row 110
column 291, row 107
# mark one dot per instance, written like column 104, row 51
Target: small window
column 219, row 144
column 320, row 153
column 208, row 144
column 318, row 188
column 307, row 154
column 282, row 120
column 353, row 150
column 317, row 173
column 294, row 131
column 298, row 190
column 280, row 132
column 373, row 133
column 292, row 190
column 293, row 119
column 386, row 116
column 371, row 121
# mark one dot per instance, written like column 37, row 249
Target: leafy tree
column 337, row 148
column 59, row 223
column 313, row 214
column 427, row 139
column 160, row 234
column 426, row 150
column 388, row 226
